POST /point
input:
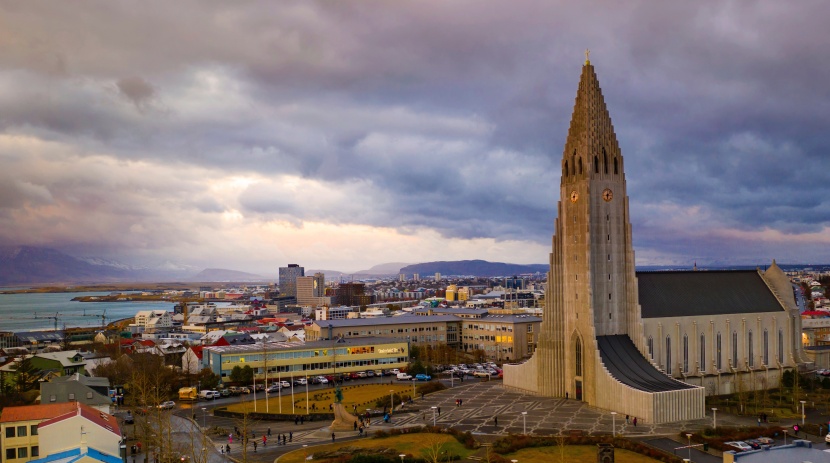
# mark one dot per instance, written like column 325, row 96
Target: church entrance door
column 578, row 389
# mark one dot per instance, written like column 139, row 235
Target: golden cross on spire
column 587, row 56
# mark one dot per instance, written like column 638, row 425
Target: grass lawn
column 410, row 444
column 362, row 395
column 574, row 454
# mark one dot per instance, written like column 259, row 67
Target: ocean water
column 26, row 312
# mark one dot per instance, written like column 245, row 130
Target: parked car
column 274, row 388
column 741, row 446
column 423, row 377
column 130, row 420
column 404, row 377
column 354, row 375
column 207, row 394
column 225, row 392
column 481, row 374
column 322, row 380
column 370, row 374
column 285, row 383
column 394, row 371
column 167, row 405
column 769, row 441
column 244, row 390
column 300, row 382
column 362, row 374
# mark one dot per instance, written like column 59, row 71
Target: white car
column 740, row 445
column 827, row 438
column 322, row 380
column 300, row 382
column 285, row 383
column 167, row 405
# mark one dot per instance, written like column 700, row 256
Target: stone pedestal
column 343, row 420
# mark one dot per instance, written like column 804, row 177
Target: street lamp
column 613, row 424
column 391, row 400
column 714, row 418
column 689, row 436
column 785, row 436
column 433, row 415
column 401, row 455
column 802, row 411
column 305, row 452
column 524, row 423
column 204, row 414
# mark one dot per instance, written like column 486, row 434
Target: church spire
column 591, row 148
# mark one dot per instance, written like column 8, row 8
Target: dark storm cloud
column 449, row 116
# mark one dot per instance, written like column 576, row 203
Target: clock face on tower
column 574, row 196
column 607, row 195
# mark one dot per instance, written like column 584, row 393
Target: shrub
column 430, row 387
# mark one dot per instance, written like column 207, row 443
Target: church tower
column 592, row 310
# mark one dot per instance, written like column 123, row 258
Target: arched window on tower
column 651, row 347
column 565, row 170
column 580, row 166
column 685, row 353
column 616, row 166
column 750, row 349
column 596, row 165
column 578, row 359
column 766, row 347
column 604, row 162
column 668, row 355
column 718, row 352
column 702, row 348
column 734, row 349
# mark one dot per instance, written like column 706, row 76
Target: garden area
column 364, row 396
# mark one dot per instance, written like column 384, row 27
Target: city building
column 82, row 434
column 450, row 292
column 501, row 337
column 19, row 429
column 353, row 294
column 419, row 330
column 152, row 320
column 285, row 360
column 288, row 279
column 91, row 391
column 311, row 291
column 333, row 313
column 619, row 340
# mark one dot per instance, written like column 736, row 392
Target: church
column 646, row 344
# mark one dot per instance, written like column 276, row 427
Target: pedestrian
column 254, row 446
column 296, row 420
column 269, row 432
column 566, row 395
column 635, row 421
column 264, row 441
column 759, row 422
column 302, row 420
column 626, row 419
column 290, row 436
column 460, row 402
column 496, row 421
column 332, row 439
column 355, row 425
column 230, row 438
column 236, row 429
column 439, row 411
column 228, row 449
column 222, row 449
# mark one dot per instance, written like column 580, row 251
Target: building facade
column 288, row 279
column 418, row 330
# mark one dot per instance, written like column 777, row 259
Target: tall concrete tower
column 591, row 300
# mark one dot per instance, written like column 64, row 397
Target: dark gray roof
column 691, row 293
column 403, row 319
column 625, row 363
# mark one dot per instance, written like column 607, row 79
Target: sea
column 38, row 311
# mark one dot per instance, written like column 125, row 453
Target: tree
column 236, row 374
column 26, row 375
column 433, row 448
column 208, row 379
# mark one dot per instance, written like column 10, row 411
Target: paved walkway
column 482, row 402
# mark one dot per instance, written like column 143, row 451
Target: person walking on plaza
column 332, row 437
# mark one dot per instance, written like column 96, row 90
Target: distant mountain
column 221, row 274
column 30, row 265
column 480, row 268
column 391, row 268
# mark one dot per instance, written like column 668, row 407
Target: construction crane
column 54, row 318
column 102, row 316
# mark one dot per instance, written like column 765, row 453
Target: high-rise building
column 416, row 277
column 353, row 294
column 288, row 279
column 311, row 291
column 402, row 277
column 450, row 293
column 437, row 276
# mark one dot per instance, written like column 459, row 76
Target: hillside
column 29, row 264
column 480, row 268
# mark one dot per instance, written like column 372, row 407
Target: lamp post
column 689, row 436
column 802, row 411
column 524, row 423
column 204, row 414
column 714, row 418
column 785, row 436
column 613, row 424
column 402, row 456
column 305, row 452
column 433, row 415
column 391, row 400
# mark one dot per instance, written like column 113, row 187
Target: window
column 89, row 395
column 651, row 347
column 11, row 454
column 766, row 347
column 750, row 349
column 685, row 353
column 718, row 358
column 35, row 451
column 734, row 349
column 52, row 398
column 668, row 355
column 10, row 432
column 702, row 348
column 578, row 359
column 21, row 431
column 780, row 346
column 596, row 165
column 71, row 396
column 33, row 430
column 604, row 162
column 23, row 452
column 580, row 166
column 565, row 170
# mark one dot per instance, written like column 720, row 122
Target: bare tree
column 434, row 448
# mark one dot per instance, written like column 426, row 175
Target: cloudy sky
column 344, row 134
